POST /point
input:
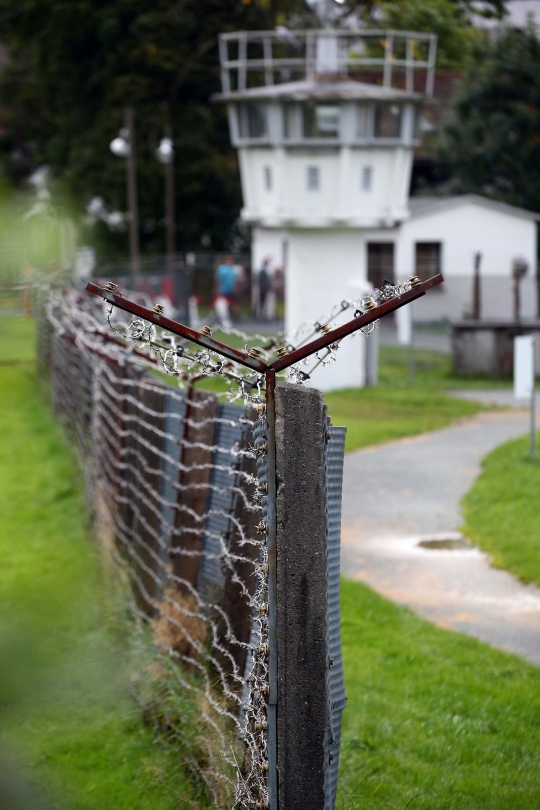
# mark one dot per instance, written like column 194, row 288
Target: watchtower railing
column 387, row 57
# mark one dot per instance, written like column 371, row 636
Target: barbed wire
column 177, row 479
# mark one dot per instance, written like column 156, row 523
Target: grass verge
column 435, row 720
column 64, row 681
column 502, row 513
column 395, row 408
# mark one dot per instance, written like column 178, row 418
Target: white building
column 444, row 235
column 325, row 164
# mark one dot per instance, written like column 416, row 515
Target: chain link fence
column 182, row 486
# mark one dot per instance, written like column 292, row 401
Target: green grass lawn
column 435, row 720
column 502, row 510
column 395, row 408
column 67, row 717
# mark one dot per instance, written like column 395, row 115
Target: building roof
column 320, row 90
column 420, row 206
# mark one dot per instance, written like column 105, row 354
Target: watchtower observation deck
column 325, row 122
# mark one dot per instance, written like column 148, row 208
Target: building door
column 380, row 263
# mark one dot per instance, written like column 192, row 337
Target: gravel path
column 400, row 494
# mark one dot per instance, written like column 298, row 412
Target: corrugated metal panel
column 259, row 437
column 334, row 456
column 173, row 426
column 229, row 431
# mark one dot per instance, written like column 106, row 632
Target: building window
column 312, row 178
column 252, row 121
column 268, row 178
column 427, row 259
column 380, row 263
column 320, row 120
column 387, row 120
column 361, row 121
column 366, row 179
column 289, row 121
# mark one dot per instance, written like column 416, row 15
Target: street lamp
column 120, row 145
column 165, row 155
column 124, row 146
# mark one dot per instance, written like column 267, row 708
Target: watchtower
column 325, row 122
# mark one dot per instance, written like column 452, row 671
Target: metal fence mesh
column 174, row 481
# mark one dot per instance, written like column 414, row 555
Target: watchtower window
column 312, row 178
column 387, row 121
column 366, row 178
column 289, row 121
column 268, row 178
column 252, row 121
column 361, row 121
column 320, row 120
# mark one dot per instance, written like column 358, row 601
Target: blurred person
column 278, row 284
column 225, row 284
column 225, row 280
column 241, row 283
column 221, row 308
column 263, row 288
column 278, row 288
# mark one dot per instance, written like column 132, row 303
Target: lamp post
column 477, row 305
column 165, row 155
column 124, row 146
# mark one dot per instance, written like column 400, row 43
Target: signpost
column 405, row 336
column 524, row 377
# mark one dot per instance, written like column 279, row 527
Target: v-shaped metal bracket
column 244, row 358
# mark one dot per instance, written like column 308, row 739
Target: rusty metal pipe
column 177, row 328
column 356, row 323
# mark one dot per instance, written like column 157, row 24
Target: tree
column 75, row 64
column 449, row 19
column 73, row 67
column 492, row 143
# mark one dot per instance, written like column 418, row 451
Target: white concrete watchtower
column 325, row 122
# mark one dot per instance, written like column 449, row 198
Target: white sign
column 404, row 323
column 524, row 367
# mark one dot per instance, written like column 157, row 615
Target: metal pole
column 134, row 246
column 477, row 304
column 170, row 216
column 412, row 363
column 538, row 292
column 272, row 586
column 533, row 402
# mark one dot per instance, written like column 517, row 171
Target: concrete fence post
column 309, row 701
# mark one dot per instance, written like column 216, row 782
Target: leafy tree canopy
column 73, row 67
column 492, row 143
column 456, row 37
